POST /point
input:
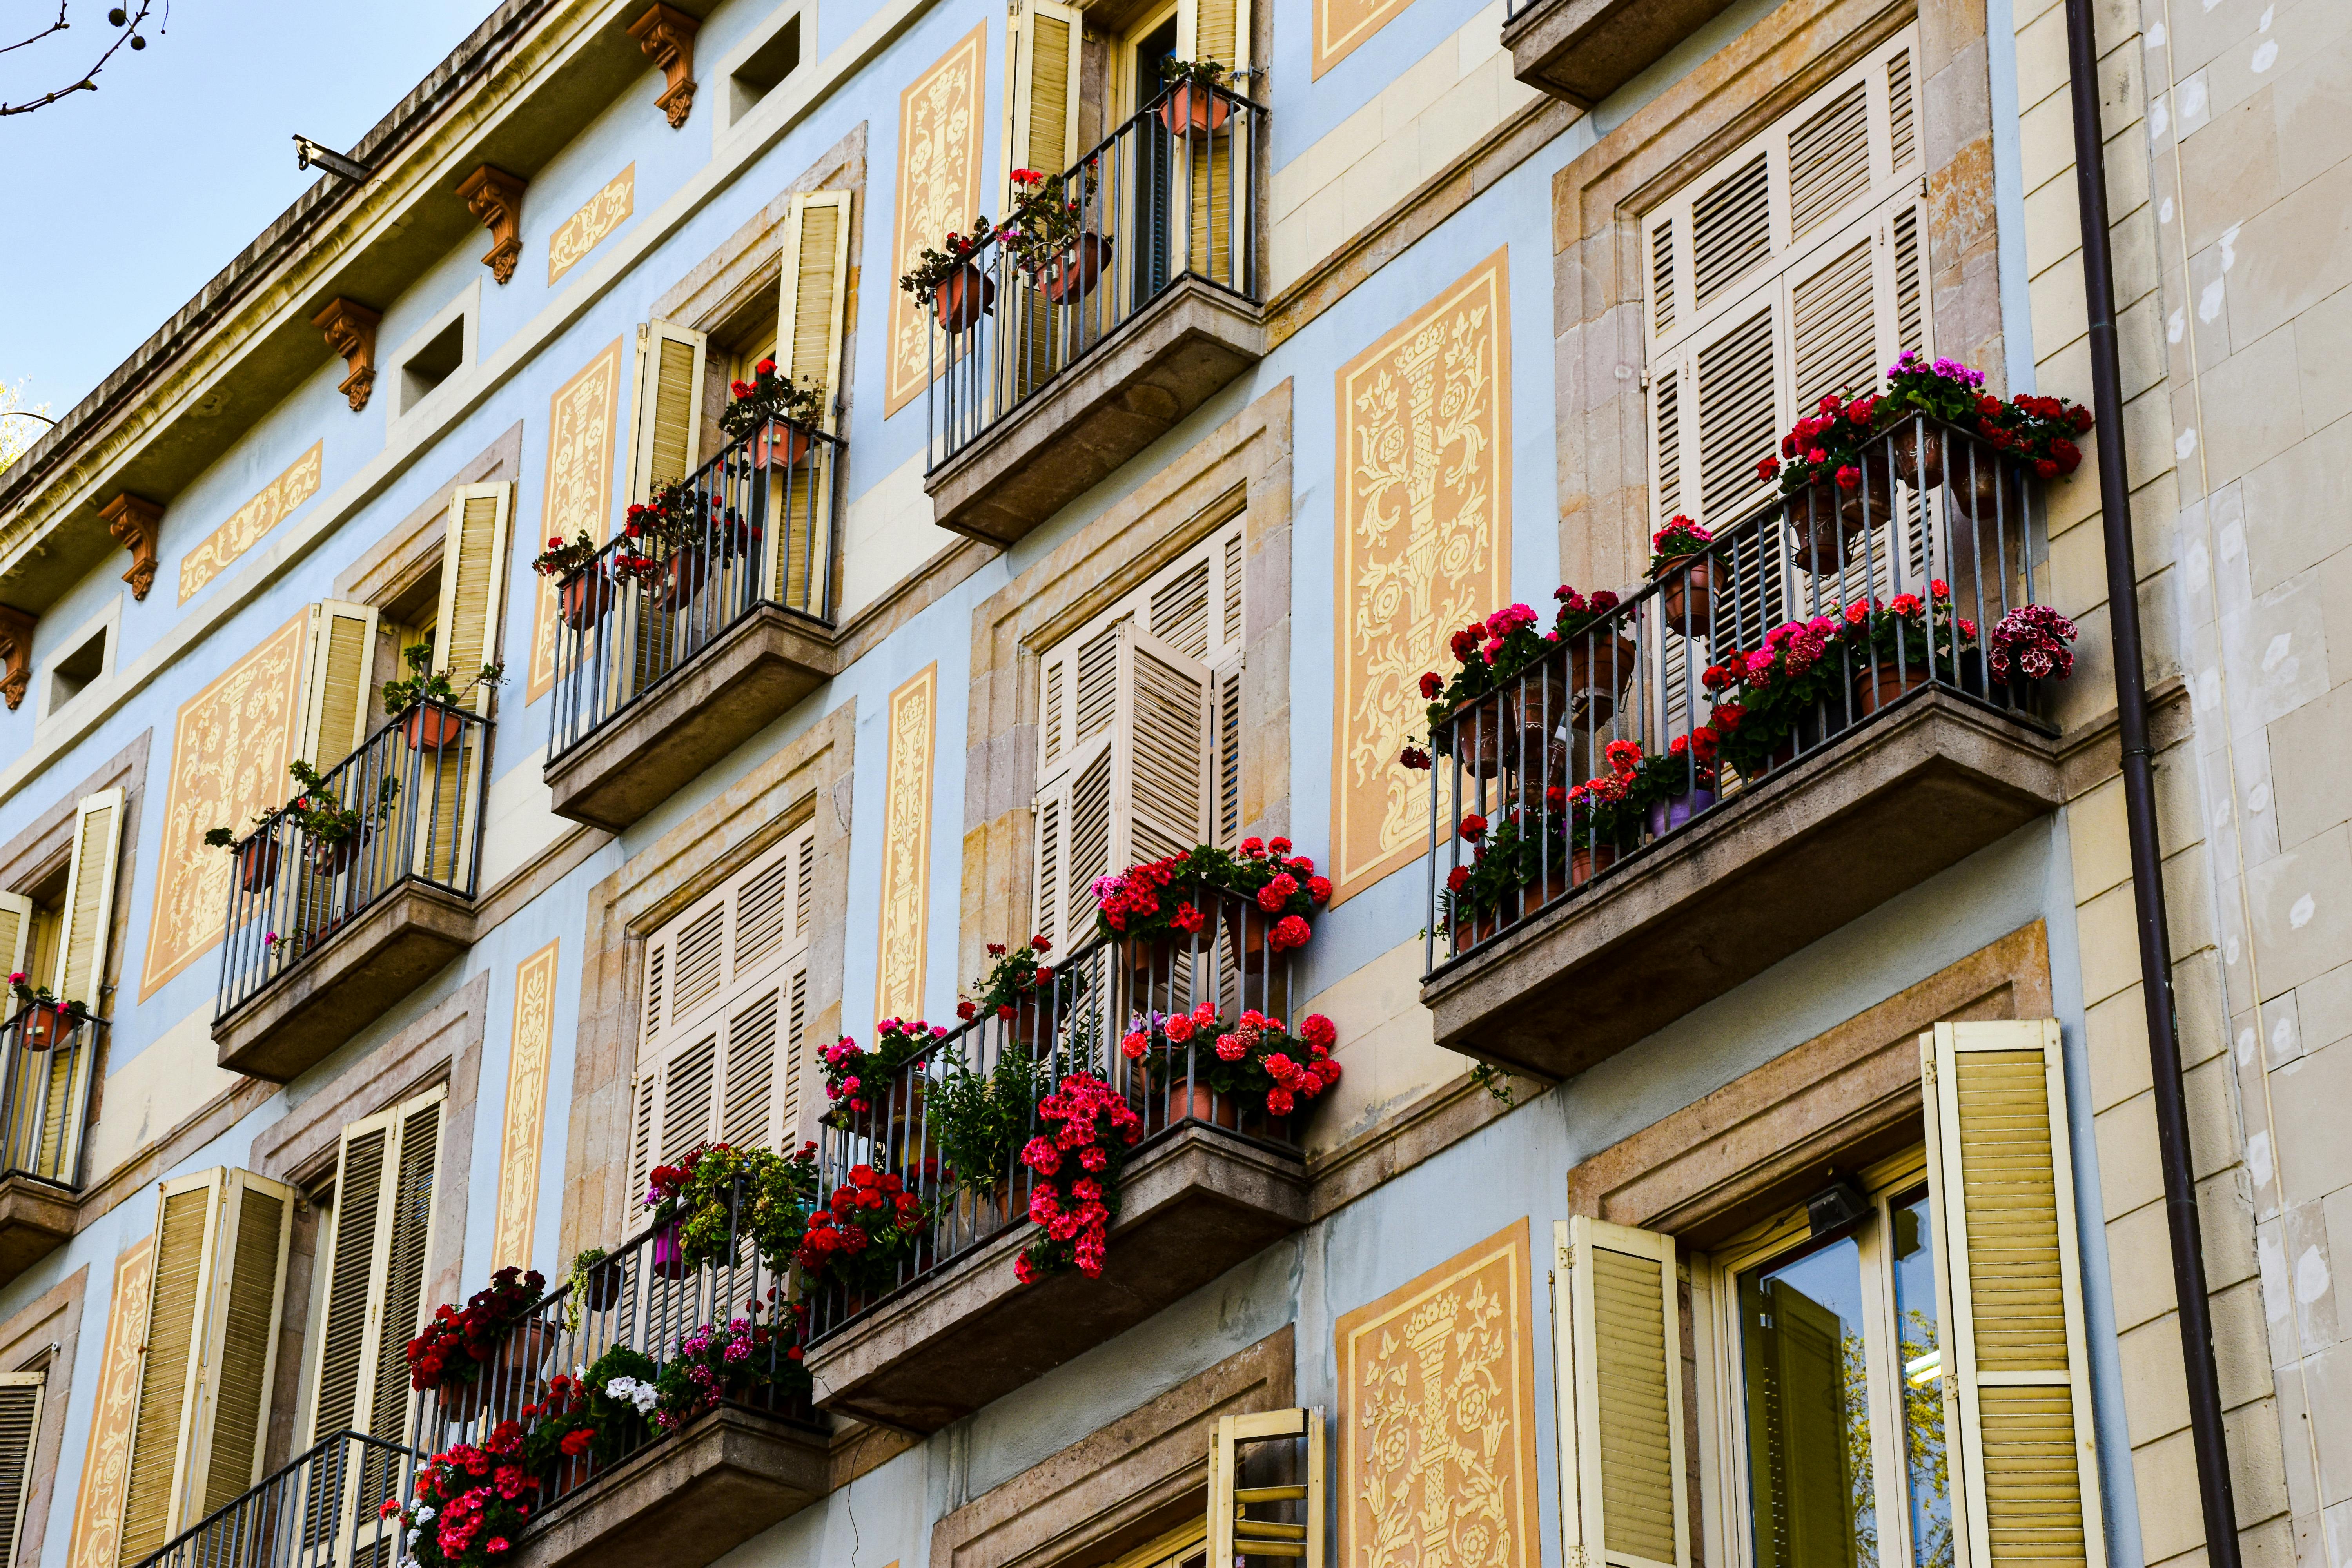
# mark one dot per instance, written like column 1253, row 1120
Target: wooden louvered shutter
column 380, row 1240
column 814, row 296
column 167, row 1366
column 408, row 1246
column 1242, row 1505
column 339, row 657
column 16, row 917
column 350, row 1256
column 20, row 1430
column 1160, row 768
column 1074, row 818
column 666, row 417
column 2017, row 1397
column 1215, row 30
column 239, row 1348
column 1226, row 825
column 473, row 585
column 1616, row 1332
column 88, row 911
column 1042, row 90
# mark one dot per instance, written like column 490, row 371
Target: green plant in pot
column 331, row 830
column 420, row 703
column 44, row 1016
column 1194, row 106
column 980, row 1117
column 764, row 401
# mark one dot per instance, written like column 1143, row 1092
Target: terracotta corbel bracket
column 136, row 523
column 495, row 196
column 667, row 35
column 15, row 655
column 351, row 328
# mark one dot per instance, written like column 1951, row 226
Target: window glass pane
column 1809, row 1460
column 1928, row 1479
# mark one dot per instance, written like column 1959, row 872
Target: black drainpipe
column 2212, row 1442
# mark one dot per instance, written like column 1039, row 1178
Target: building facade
column 1771, row 1170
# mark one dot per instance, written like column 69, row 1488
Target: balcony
column 319, row 1511
column 323, row 937
column 1211, row 1183
column 671, row 652
column 44, row 1106
column 1580, row 51
column 1584, row 925
column 684, row 1498
column 1050, row 372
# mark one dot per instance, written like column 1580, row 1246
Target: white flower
column 644, row 1396
column 424, row 1512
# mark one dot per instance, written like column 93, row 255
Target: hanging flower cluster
column 1826, row 446
column 1171, row 897
column 855, row 1080
column 1487, row 653
column 869, row 1226
column 722, row 1362
column 717, row 1195
column 1076, row 1195
column 2030, row 642
column 456, row 1344
column 1253, row 1058
column 470, row 1502
column 769, row 396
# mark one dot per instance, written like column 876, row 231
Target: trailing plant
column 721, row 1362
column 455, row 1344
column 469, row 1503
column 855, row 1080
column 2029, row 642
column 869, row 1226
column 719, row 1196
column 583, row 1266
column 1198, row 73
column 1018, row 976
column 1946, row 390
column 316, row 814
column 2041, row 430
column 937, row 263
column 425, row 684
column 1077, row 1162
column 979, row 1119
column 768, row 396
column 1252, row 1059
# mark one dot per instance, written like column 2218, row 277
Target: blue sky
column 127, row 199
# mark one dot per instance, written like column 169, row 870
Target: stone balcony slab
column 1580, row 51
column 1774, row 869
column 37, row 1217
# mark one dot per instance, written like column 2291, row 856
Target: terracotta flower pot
column 429, row 728
column 687, row 570
column 44, row 1028
column 334, row 860
column 1196, row 1101
column 1193, row 109
column 586, row 599
column 1686, row 596
column 1477, row 729
column 256, row 863
column 963, row 298
column 1584, row 864
column 1877, row 685
column 571, row 1472
column 781, row 443
column 1079, row 268
column 461, row 1401
column 1600, row 667
column 520, row 1355
column 1536, row 704
column 1975, row 476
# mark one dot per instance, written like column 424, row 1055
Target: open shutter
column 20, row 1429
column 473, row 585
column 665, row 415
column 815, row 297
column 339, row 658
column 1265, row 1487
column 90, row 900
column 1040, row 96
column 16, row 917
column 408, row 1248
column 1160, row 775
column 350, row 1256
column 380, row 1235
column 1617, row 1337
column 2017, row 1394
column 167, row 1366
column 1215, row 30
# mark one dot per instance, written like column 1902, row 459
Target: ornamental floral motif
column 939, row 193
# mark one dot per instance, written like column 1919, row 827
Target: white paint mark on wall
column 2158, row 124
column 2258, row 1158
column 2192, row 103
column 2200, row 565
column 2245, row 1045
column 2164, row 213
column 2229, row 246
column 2299, row 914
column 2230, row 951
column 2176, row 324
column 2310, row 1276
column 2258, row 799
column 2209, row 303
column 2184, row 443
column 2266, row 56
column 2156, row 35
column 2282, row 1036
column 2272, row 1259
column 2277, row 653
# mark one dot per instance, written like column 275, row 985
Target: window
column 726, row 1011
column 1793, row 268
column 1139, row 732
column 210, row 1347
column 20, row 1428
column 433, row 353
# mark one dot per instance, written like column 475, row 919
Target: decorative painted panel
column 1341, row 25
column 939, row 195
column 1437, row 1417
column 229, row 750
column 579, row 488
column 584, row 230
column 1424, row 547
column 907, row 847
column 248, row 523
column 532, row 1044
column 106, row 1467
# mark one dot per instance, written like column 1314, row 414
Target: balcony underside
column 1582, row 50
column 1196, row 1203
column 687, row 1500
column 381, row 955
column 1127, row 393
column 728, row 692
column 1776, row 868
column 37, row 1217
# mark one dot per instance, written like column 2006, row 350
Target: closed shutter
column 2017, row 1392
column 1227, row 751
column 212, row 1337
column 815, row 297
column 1042, row 90
column 1616, row 1333
column 20, row 1430
column 379, row 1239
column 473, row 585
column 665, row 415
column 339, row 657
column 1161, row 766
column 1265, row 1487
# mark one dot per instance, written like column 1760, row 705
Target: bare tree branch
column 59, row 26
column 88, row 82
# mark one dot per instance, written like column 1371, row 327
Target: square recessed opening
column 77, row 669
column 767, row 66
column 433, row 363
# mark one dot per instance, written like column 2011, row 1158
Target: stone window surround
column 1124, row 1483
column 1600, row 272
column 1242, row 467
column 44, row 1334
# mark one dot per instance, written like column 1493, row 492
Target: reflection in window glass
column 1809, row 1457
column 1922, row 1366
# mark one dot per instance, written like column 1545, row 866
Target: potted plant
column 595, row 1285
column 1601, row 657
column 423, row 704
column 41, row 1017
column 1042, row 229
column 455, row 1353
column 2029, row 646
column 1211, row 1071
column 779, row 413
column 1769, row 698
column 331, row 831
column 469, row 1504
column 1682, row 562
column 1285, row 890
column 721, row 1362
column 979, row 1119
column 857, row 1081
column 717, row 1197
column 867, row 1229
column 945, row 279
column 1836, row 481
column 1478, row 714
column 1086, row 1129
column 1024, row 991
column 1920, row 397
column 1899, row 644
column 1194, row 104
column 583, row 596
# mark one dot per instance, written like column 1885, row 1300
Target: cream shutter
column 16, row 916
column 212, row 1337
column 379, row 1238
column 1225, row 750
column 1160, row 751
column 90, row 900
column 339, row 655
column 1243, row 1507
column 473, row 585
column 1041, row 98
column 2017, row 1393
column 20, row 1430
column 814, row 296
column 1617, row 1338
column 1214, row 30
column 665, row 415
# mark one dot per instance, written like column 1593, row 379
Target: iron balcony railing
column 1073, row 1023
column 415, row 789
column 1534, row 761
column 45, row 1098
column 757, row 532
column 320, row 1511
column 1169, row 195
column 646, row 1297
